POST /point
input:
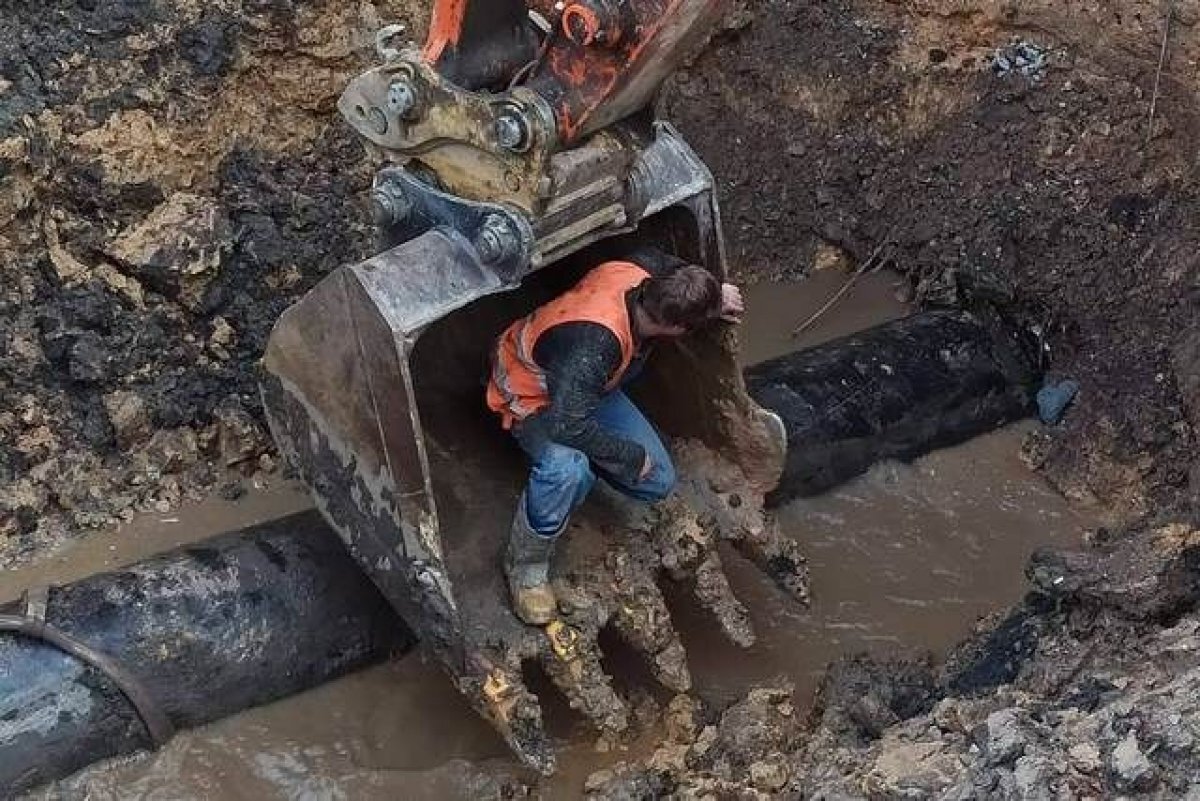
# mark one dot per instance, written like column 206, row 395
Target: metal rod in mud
column 1162, row 63
column 207, row 631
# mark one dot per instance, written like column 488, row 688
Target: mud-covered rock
column 1131, row 768
column 1005, row 736
column 924, row 769
column 1154, row 575
column 860, row 697
column 129, row 417
column 741, row 755
column 240, row 438
column 178, row 248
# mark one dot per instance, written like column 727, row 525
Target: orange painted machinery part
column 603, row 60
column 445, row 28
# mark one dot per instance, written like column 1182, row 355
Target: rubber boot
column 527, row 566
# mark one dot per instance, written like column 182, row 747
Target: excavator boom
column 522, row 152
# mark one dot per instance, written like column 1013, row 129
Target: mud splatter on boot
column 527, row 566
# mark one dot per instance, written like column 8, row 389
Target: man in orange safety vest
column 556, row 385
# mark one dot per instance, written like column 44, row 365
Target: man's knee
column 660, row 482
column 560, row 480
column 564, row 466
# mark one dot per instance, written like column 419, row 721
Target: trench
column 906, row 557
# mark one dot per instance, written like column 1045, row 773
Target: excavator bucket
column 519, row 166
column 374, row 391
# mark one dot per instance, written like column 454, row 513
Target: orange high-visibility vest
column 517, row 387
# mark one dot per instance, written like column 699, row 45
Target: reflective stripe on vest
column 517, row 387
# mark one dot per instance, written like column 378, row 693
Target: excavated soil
column 172, row 175
column 860, row 124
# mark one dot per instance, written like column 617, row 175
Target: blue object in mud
column 1054, row 398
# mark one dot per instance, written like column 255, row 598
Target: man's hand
column 732, row 305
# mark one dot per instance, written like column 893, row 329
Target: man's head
column 679, row 302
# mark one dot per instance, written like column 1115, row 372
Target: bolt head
column 390, row 206
column 496, row 241
column 489, row 246
column 402, row 98
column 377, row 120
column 512, row 133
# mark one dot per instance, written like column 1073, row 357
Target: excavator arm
column 519, row 149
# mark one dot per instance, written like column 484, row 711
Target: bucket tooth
column 641, row 619
column 733, row 512
column 571, row 658
column 687, row 546
column 714, row 593
column 778, row 557
column 500, row 696
column 646, row 627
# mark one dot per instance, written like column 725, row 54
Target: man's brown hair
column 686, row 297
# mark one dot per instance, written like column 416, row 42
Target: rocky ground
column 173, row 174
column 1089, row 689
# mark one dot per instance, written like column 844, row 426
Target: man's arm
column 578, row 359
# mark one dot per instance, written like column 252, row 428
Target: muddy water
column 774, row 310
column 907, row 555
column 155, row 533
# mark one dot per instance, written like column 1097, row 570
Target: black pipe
column 256, row 615
column 208, row 630
column 895, row 391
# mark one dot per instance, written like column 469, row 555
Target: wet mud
column 907, row 557
column 895, row 561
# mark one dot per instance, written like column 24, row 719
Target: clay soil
column 172, row 175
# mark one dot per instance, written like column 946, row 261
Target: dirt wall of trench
column 172, row 176
column 854, row 124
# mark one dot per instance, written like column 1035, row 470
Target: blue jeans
column 562, row 477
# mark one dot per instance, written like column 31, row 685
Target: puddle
column 154, row 533
column 905, row 555
column 774, row 309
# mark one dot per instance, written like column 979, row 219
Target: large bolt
column 402, row 99
column 496, row 240
column 512, row 132
column 390, row 204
